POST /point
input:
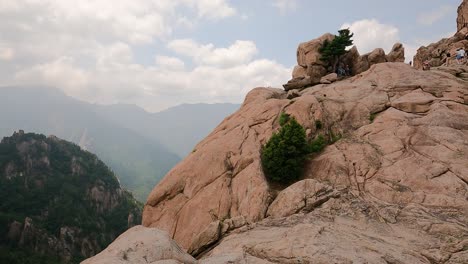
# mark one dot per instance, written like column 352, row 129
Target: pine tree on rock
column 331, row 51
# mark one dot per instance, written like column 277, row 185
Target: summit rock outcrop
column 310, row 69
column 399, row 168
column 437, row 54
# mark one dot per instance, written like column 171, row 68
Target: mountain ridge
column 58, row 201
column 131, row 149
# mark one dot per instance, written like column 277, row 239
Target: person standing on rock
column 426, row 65
column 447, row 60
column 347, row 70
column 460, row 55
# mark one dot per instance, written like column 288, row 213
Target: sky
column 161, row 53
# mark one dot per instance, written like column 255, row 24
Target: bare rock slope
column 393, row 189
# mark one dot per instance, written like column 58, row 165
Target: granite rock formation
column 400, row 168
column 310, row 69
column 437, row 53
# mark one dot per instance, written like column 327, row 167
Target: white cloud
column 431, row 17
column 89, row 49
column 136, row 22
column 170, row 63
column 370, row 34
column 114, row 55
column 240, row 52
column 225, row 75
column 285, row 6
column 214, row 9
column 60, row 73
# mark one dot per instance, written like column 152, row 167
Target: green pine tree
column 283, row 156
column 331, row 51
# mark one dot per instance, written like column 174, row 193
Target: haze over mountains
column 139, row 146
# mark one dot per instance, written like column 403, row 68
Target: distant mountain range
column 60, row 204
column 140, row 147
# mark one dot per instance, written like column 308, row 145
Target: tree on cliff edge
column 331, row 51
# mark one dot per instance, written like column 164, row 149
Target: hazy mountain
column 141, row 147
column 139, row 162
column 178, row 128
column 59, row 203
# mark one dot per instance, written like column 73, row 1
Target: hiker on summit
column 460, row 55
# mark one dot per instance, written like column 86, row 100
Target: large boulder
column 308, row 52
column 390, row 118
column 462, row 18
column 299, row 72
column 352, row 59
column 329, row 78
column 141, row 245
column 376, row 56
column 300, row 83
column 397, row 54
column 310, row 68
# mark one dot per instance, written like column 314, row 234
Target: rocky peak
column 462, row 18
column 310, row 69
column 444, row 51
column 390, row 118
column 392, row 188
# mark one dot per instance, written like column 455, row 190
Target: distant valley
column 140, row 147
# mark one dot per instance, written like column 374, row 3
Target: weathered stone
column 316, row 72
column 308, row 52
column 301, row 195
column 352, row 58
column 397, row 54
column 206, row 238
column 300, row 83
column 330, row 78
column 376, row 56
column 417, row 118
column 299, row 72
column 141, row 245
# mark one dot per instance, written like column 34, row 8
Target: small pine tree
column 331, row 51
column 283, row 156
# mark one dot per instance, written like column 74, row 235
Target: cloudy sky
column 161, row 53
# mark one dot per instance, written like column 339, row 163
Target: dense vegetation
column 283, row 156
column 50, row 181
column 331, row 51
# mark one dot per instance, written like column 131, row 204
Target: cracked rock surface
column 393, row 189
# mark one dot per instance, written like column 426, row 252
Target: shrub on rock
column 283, row 156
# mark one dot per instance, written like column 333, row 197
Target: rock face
column 58, row 202
column 462, row 18
column 311, row 70
column 397, row 54
column 308, row 52
column 393, row 189
column 436, row 53
column 141, row 245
